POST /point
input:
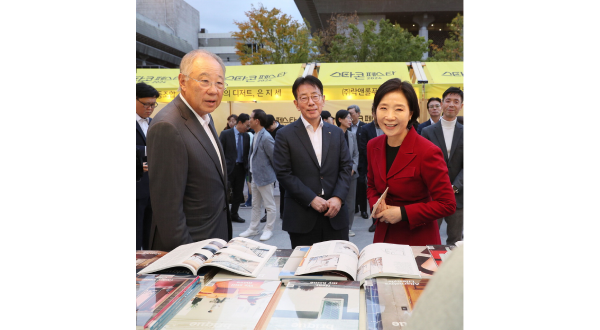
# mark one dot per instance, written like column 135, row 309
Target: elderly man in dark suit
column 186, row 160
column 312, row 161
column 145, row 102
column 236, row 144
column 447, row 134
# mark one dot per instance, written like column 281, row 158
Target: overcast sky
column 218, row 16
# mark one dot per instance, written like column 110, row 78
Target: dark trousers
column 237, row 179
column 361, row 196
column 281, row 199
column 143, row 220
column 454, row 227
column 321, row 232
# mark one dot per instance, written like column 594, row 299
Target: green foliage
column 453, row 46
column 276, row 38
column 391, row 43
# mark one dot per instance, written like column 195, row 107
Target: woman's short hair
column 341, row 114
column 404, row 87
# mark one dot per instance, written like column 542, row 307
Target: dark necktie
column 240, row 151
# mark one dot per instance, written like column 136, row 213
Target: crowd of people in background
column 328, row 167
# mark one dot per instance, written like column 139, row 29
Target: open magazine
column 379, row 259
column 240, row 255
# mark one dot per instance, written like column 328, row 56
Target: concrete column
column 143, row 58
column 423, row 21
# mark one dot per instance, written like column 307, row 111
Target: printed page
column 330, row 256
column 191, row 256
column 242, row 256
column 387, row 259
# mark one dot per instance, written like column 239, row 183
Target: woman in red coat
column 411, row 166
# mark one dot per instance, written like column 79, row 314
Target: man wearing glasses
column 434, row 107
column 186, row 160
column 312, row 161
column 145, row 102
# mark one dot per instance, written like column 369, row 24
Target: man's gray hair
column 355, row 107
column 186, row 62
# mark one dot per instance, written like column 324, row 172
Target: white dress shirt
column 143, row 122
column 204, row 121
column 354, row 128
column 316, row 139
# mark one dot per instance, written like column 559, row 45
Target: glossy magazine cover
column 227, row 304
column 157, row 294
column 318, row 305
column 390, row 301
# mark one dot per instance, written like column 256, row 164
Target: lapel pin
column 329, row 132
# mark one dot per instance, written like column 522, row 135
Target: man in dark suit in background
column 367, row 132
column 361, row 184
column 272, row 127
column 186, row 160
column 434, row 107
column 145, row 102
column 447, row 134
column 311, row 159
column 236, row 143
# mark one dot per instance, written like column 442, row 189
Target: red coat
column 418, row 179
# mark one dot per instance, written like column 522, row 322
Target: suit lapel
column 139, row 129
column 302, row 135
column 455, row 138
column 439, row 134
column 405, row 154
column 211, row 124
column 193, row 124
column 325, row 140
column 380, row 155
column 255, row 141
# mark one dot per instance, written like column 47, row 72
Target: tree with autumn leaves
column 452, row 50
column 269, row 36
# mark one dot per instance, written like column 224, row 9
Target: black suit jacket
column 367, row 132
column 423, row 125
column 435, row 134
column 142, row 189
column 297, row 168
column 227, row 139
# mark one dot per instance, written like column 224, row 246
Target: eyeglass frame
column 210, row 83
column 434, row 106
column 153, row 106
column 310, row 97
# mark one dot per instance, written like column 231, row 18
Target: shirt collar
column 235, row 130
column 138, row 117
column 204, row 120
column 306, row 123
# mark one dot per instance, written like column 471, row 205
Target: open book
column 379, row 259
column 240, row 255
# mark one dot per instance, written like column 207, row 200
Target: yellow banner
column 444, row 72
column 261, row 82
column 358, row 81
column 161, row 79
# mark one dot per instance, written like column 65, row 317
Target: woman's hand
column 389, row 214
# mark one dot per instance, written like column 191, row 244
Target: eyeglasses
column 434, row 106
column 206, row 84
column 148, row 105
column 315, row 98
